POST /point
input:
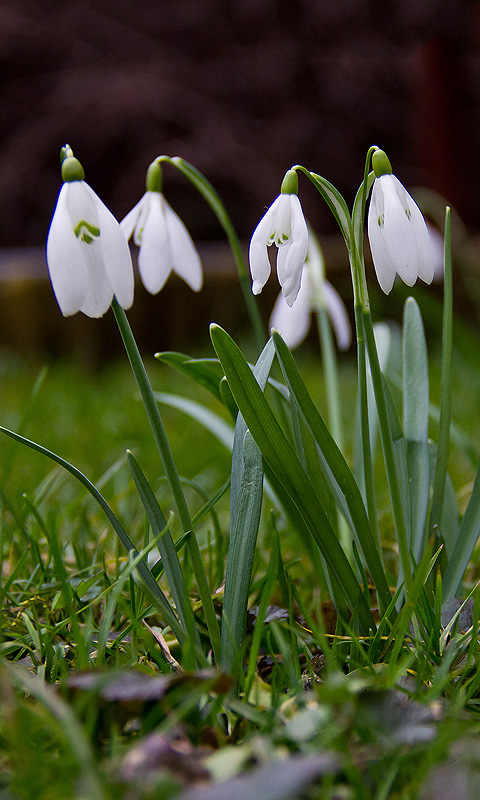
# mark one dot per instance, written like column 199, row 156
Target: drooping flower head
column 397, row 231
column 315, row 291
column 283, row 225
column 87, row 255
column 164, row 242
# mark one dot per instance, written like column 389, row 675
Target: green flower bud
column 72, row 170
column 290, row 183
column 381, row 164
column 154, row 178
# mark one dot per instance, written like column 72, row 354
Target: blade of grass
column 157, row 595
column 168, row 554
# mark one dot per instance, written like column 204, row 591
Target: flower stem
column 446, row 384
column 166, row 456
column 367, row 463
column 213, row 199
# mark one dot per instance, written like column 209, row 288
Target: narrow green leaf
column 207, row 372
column 415, row 374
column 415, row 421
column 339, row 468
column 283, row 460
column 261, row 371
column 243, row 538
column 465, row 543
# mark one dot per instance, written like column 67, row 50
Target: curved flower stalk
column 284, row 225
column 87, row 256
column 397, row 231
column 164, row 242
column 315, row 291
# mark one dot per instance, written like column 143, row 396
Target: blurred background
column 243, row 90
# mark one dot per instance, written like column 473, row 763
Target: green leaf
column 261, row 371
column 415, row 374
column 464, row 544
column 415, row 422
column 207, row 372
column 343, row 479
column 243, row 537
column 284, row 462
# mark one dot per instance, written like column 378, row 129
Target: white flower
column 294, row 321
column 398, row 235
column 284, row 225
column 87, row 254
column 165, row 244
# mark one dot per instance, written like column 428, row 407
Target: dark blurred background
column 243, row 90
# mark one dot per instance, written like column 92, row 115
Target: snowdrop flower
column 284, row 225
column 294, row 321
column 397, row 231
column 165, row 244
column 87, row 256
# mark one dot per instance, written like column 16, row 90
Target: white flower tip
column 257, row 287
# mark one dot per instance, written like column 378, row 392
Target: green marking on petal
column 408, row 213
column 86, row 232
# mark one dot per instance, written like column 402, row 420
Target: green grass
column 92, row 701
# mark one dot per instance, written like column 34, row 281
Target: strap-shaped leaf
column 415, row 421
column 339, row 468
column 243, row 538
column 465, row 542
column 283, row 460
column 205, row 371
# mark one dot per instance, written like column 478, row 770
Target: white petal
column 155, row 259
column 258, row 255
column 338, row 316
column 425, row 265
column 81, row 202
column 293, row 322
column 186, row 261
column 382, row 261
column 398, row 231
column 289, row 267
column 116, row 256
column 65, row 260
column 132, row 220
column 99, row 294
